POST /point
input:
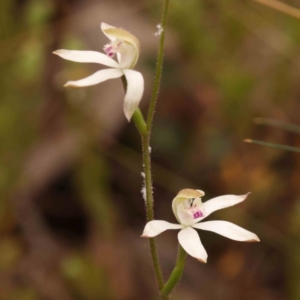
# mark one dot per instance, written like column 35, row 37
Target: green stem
column 159, row 65
column 147, row 149
column 176, row 274
column 149, row 208
column 141, row 125
column 145, row 131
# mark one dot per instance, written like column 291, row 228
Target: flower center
column 112, row 48
column 193, row 209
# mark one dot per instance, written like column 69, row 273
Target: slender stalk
column 141, row 125
column 176, row 273
column 149, row 208
column 145, row 132
column 147, row 149
column 159, row 65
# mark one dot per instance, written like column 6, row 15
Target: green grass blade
column 271, row 145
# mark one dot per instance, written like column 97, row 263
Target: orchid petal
column 96, row 78
column 228, row 230
column 134, row 92
column 190, row 242
column 87, row 57
column 221, row 202
column 104, row 27
column 156, row 227
column 127, row 56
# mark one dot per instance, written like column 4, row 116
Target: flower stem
column 176, row 273
column 147, row 149
column 149, row 209
column 142, row 127
column 140, row 123
column 159, row 65
column 145, row 131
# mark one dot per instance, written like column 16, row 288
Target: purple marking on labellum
column 108, row 50
column 197, row 214
column 112, row 48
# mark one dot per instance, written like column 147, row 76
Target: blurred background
column 71, row 209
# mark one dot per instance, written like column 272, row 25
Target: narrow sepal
column 228, row 230
column 156, row 227
column 95, row 78
column 87, row 57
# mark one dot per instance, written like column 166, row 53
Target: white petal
column 127, row 56
column 87, row 57
column 228, row 230
column 96, row 78
column 134, row 93
column 105, row 26
column 220, row 202
column 190, row 242
column 156, row 227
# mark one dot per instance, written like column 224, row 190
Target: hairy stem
column 145, row 131
column 150, row 210
column 147, row 148
column 141, row 125
column 159, row 67
column 176, row 273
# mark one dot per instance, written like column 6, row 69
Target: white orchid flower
column 127, row 48
column 189, row 210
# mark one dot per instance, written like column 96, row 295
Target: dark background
column 71, row 210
